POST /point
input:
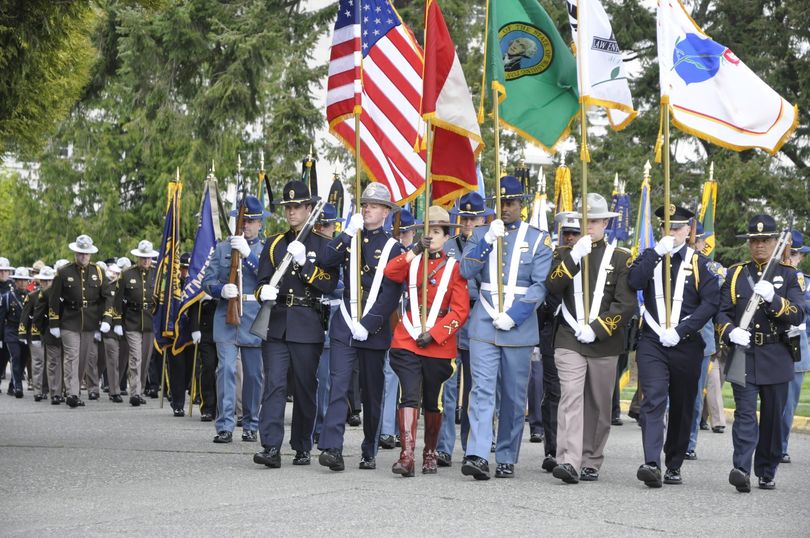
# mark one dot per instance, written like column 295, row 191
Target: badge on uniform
column 94, row 277
column 377, row 254
column 778, row 281
column 132, row 281
column 524, row 247
column 311, row 254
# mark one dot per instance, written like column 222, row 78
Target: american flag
column 376, row 66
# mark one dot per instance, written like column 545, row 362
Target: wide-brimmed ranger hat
column 407, row 222
column 253, row 209
column 328, row 214
column 472, row 205
column 568, row 221
column 4, row 265
column 438, row 216
column 597, row 208
column 185, row 259
column 678, row 216
column 760, row 227
column 58, row 264
column 83, row 245
column 144, row 250
column 377, row 193
column 797, row 242
column 46, row 273
column 512, row 188
column 21, row 273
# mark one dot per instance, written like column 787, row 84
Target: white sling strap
column 438, row 299
column 598, row 292
column 376, row 283
column 677, row 295
column 511, row 288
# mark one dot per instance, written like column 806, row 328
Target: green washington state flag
column 528, row 62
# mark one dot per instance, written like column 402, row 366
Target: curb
column 800, row 424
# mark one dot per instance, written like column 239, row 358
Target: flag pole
column 357, row 236
column 499, row 241
column 667, row 202
column 426, row 226
column 585, row 158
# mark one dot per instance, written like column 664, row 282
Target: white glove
column 503, row 322
column 665, row 245
column 230, row 291
column 268, row 293
column 360, row 333
column 36, row 343
column 586, row 334
column 105, row 327
column 196, row 336
column 298, row 252
column 55, row 332
column 355, row 223
column 581, row 248
column 741, row 337
column 97, row 336
column 119, row 330
column 238, row 242
column 764, row 289
column 496, row 230
column 670, row 337
column 205, row 297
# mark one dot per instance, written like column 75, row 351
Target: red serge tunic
column 454, row 310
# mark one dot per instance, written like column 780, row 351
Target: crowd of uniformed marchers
column 536, row 331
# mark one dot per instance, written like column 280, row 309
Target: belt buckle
column 289, row 300
column 759, row 338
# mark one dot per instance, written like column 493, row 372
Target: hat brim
column 390, row 205
column 802, row 250
column 15, row 277
column 310, row 200
column 38, row 277
column 486, row 212
column 75, row 248
column 6, row 268
column 763, row 235
column 250, row 216
column 443, row 223
column 604, row 215
column 140, row 254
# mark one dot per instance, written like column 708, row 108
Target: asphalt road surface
column 110, row 469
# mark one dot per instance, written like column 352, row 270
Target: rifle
column 735, row 370
column 234, row 316
column 262, row 321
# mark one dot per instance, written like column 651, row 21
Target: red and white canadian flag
column 447, row 104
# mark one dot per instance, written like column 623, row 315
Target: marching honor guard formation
column 306, row 314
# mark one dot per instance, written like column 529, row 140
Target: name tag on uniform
column 524, row 246
column 70, row 279
column 94, row 277
column 132, row 281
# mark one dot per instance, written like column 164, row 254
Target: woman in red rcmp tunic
column 422, row 358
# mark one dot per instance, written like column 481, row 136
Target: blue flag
column 619, row 227
column 167, row 279
column 204, row 244
column 645, row 236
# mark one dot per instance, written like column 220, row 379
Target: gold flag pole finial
column 177, row 175
column 261, row 161
column 711, row 171
column 647, row 168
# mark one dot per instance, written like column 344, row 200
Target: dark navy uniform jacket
column 376, row 321
column 701, row 292
column 296, row 316
column 768, row 360
column 11, row 307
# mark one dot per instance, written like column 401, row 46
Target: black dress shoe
column 105, row 388
column 740, row 480
column 354, row 419
column 673, row 477
column 549, row 463
column 443, row 459
column 704, row 425
column 332, row 458
column 249, row 436
column 398, row 440
column 142, row 399
column 766, row 482
column 92, row 396
column 476, row 467
column 617, row 422
column 18, row 394
column 37, row 397
column 134, row 401
column 566, row 473
column 505, row 470
column 536, row 438
column 73, row 401
column 179, row 412
column 367, row 464
column 223, row 437
column 206, row 417
column 388, row 442
column 650, row 474
column 123, row 392
column 302, row 457
column 270, row 457
column 633, row 414
column 589, row 474
column 785, row 458
column 238, row 422
column 56, row 400
column 690, row 455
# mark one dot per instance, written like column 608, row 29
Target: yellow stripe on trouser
column 441, row 390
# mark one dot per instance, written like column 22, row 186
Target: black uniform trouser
column 620, row 368
column 17, row 352
column 551, row 400
column 281, row 359
column 761, row 440
column 466, row 375
column 342, row 360
column 179, row 374
column 353, row 396
column 420, row 378
column 535, row 415
column 668, row 375
column 154, row 369
column 208, row 378
column 4, row 358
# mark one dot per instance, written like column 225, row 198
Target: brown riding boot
column 408, row 417
column 433, row 422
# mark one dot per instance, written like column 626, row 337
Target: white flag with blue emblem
column 600, row 69
column 711, row 93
